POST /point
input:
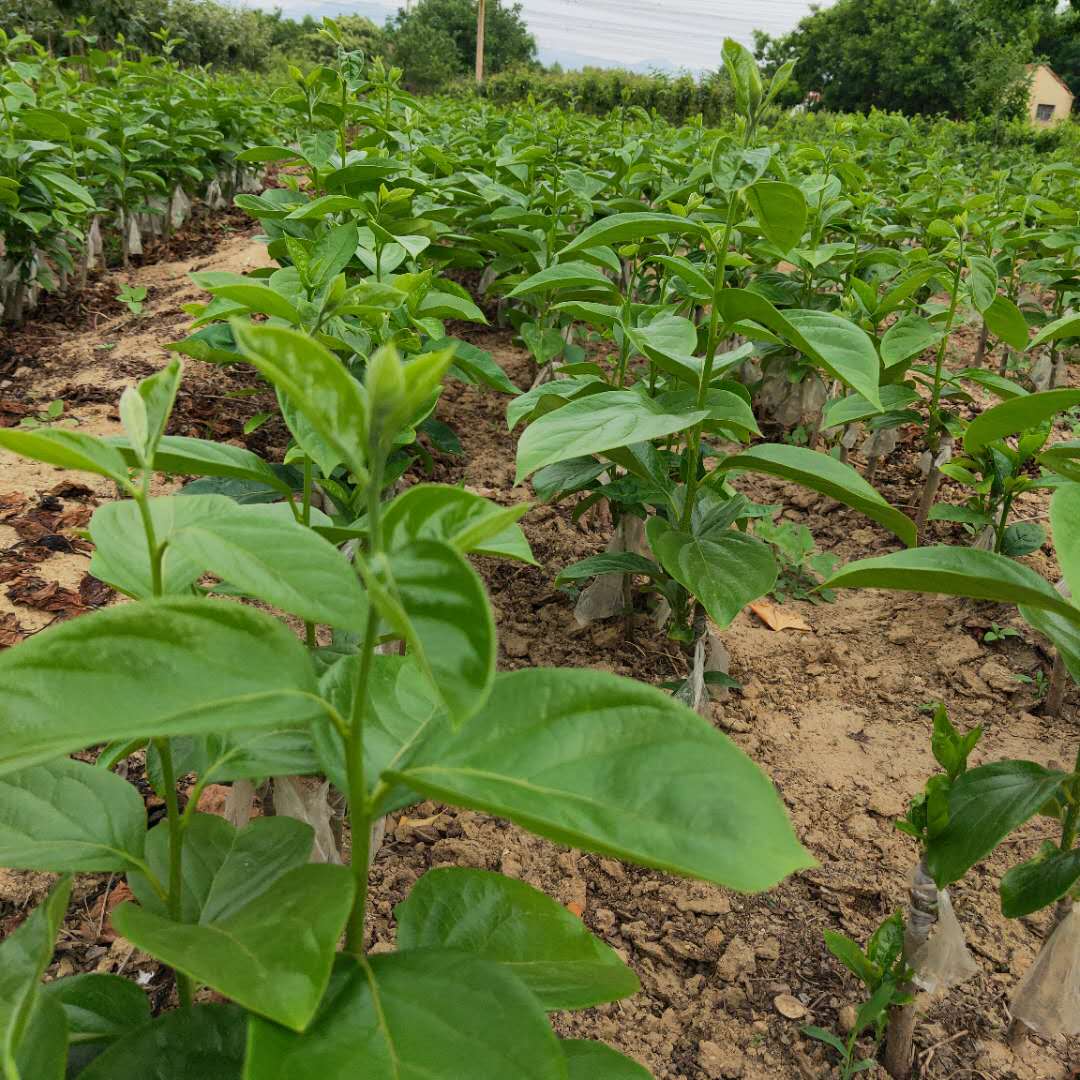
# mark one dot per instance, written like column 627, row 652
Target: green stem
column 359, row 803
column 305, row 519
column 934, row 433
column 176, row 854
column 1071, row 823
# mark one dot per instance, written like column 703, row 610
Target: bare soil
column 833, row 716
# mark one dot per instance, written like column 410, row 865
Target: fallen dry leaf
column 776, row 618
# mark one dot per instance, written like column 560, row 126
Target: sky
column 640, row 34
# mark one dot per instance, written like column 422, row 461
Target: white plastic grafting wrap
column 1047, row 998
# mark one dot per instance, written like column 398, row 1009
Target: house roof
column 1054, row 75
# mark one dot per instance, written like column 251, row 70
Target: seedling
column 132, row 297
column 53, row 413
column 801, row 567
column 1000, row 633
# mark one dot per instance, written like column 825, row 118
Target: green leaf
column 1065, row 523
column 418, row 1015
column 780, row 210
column 530, row 935
column 622, row 562
column 1022, row 538
column 280, row 561
column 569, row 275
column 446, row 305
column 1065, row 327
column 157, row 668
column 822, row 472
column 1034, row 885
column 724, row 571
column 316, row 383
column 466, row 521
column 908, row 337
column 67, row 815
column 269, row 153
column 1063, row 458
column 435, row 600
column 247, row 291
column 180, row 455
column 332, row 253
column 839, row 346
column 854, row 407
column 728, row 412
column 68, row 449
column 625, row 228
column 982, row 575
column 851, row 956
column 202, row 1043
column 145, row 410
column 982, row 280
column 1016, row 415
column 24, row 955
column 669, row 342
column 1063, row 632
column 99, row 1009
column 596, row 423
column 594, row 1061
column 610, row 765
column 1006, row 321
column 264, row 938
column 985, row 805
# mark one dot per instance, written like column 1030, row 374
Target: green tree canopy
column 959, row 57
column 436, row 39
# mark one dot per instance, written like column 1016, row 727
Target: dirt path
column 833, row 715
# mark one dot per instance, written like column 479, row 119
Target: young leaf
column 822, row 472
column 1016, row 415
column 626, row 228
column 145, row 410
column 517, row 926
column 168, row 667
column 568, row 275
column 427, row 1013
column 622, row 562
column 1006, row 321
column 1038, row 883
column 780, row 210
column 725, row 571
column 1065, row 327
column 67, row 815
column 1065, row 521
column 982, row 575
column 611, row 765
column 316, row 382
column 68, row 449
column 985, row 805
column 596, row 423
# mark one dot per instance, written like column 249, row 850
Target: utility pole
column 480, row 5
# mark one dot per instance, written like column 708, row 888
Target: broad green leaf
column 475, row 365
column 315, row 381
column 1016, row 415
column 1063, row 458
column 99, row 1009
column 332, row 253
column 157, row 668
column 447, row 305
column 724, row 571
column 985, row 805
column 427, row 1014
column 954, row 571
column 828, row 339
column 622, row 562
column 569, row 275
column 466, row 521
column 223, row 867
column 1065, row 522
column 434, row 599
column 247, row 291
column 822, row 472
column 854, row 407
column 982, row 280
column 728, row 412
column 202, row 1043
column 1063, row 632
column 66, row 815
column 68, row 449
column 780, row 210
column 269, row 153
column 625, row 228
column 270, row 952
column 908, row 337
column 558, row 390
column 669, row 342
column 1066, row 327
column 596, row 423
column 611, row 765
column 24, row 955
column 121, row 556
column 277, row 560
column 497, row 918
column 1006, row 321
column 1034, row 885
column 594, row 1061
column 178, row 454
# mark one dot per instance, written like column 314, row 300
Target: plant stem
column 176, row 852
column 305, row 519
column 359, row 803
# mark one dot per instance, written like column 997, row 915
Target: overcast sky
column 630, row 33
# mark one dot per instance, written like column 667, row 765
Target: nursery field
column 499, row 593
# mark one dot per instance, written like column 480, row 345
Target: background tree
column 436, row 40
column 959, row 57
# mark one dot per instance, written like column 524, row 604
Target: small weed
column 132, row 297
column 999, row 633
column 801, row 566
column 52, row 414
